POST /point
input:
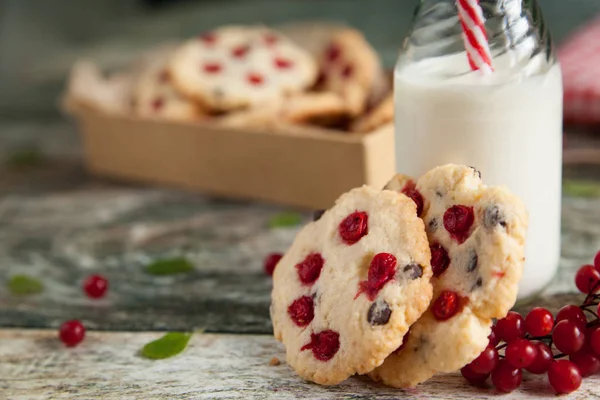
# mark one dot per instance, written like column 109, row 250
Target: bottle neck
column 518, row 38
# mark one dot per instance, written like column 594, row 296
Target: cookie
column 477, row 238
column 319, row 108
column 156, row 97
column 351, row 68
column 235, row 67
column 351, row 284
column 382, row 114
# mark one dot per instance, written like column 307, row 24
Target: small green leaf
column 581, row 189
column 23, row 285
column 283, row 220
column 169, row 266
column 25, row 158
column 169, row 345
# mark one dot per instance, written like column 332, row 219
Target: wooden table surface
column 60, row 225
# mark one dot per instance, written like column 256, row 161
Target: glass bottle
column 507, row 124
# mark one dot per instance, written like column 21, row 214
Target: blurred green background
column 40, row 39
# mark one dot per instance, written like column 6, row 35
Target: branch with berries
column 566, row 348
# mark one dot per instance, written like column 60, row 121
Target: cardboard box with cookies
column 293, row 116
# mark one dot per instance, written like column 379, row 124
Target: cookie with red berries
column 351, row 68
column 477, row 239
column 154, row 96
column 236, row 67
column 350, row 286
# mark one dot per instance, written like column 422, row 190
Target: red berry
column 255, row 79
column 587, row 362
column 473, row 377
column 301, row 311
column 157, row 103
column 381, row 271
column 415, row 196
column 354, row 227
column 271, row 262
column 539, row 322
column 283, row 63
column 439, row 259
column 493, row 338
column 333, row 52
column 240, row 51
column 486, row 362
column 458, row 221
column 445, row 306
column 567, row 337
column 543, row 359
column 212, row 68
column 208, row 38
column 309, row 269
column 271, row 38
column 573, row 314
column 324, row 344
column 594, row 340
column 564, row 376
column 95, row 286
column 520, row 353
column 71, row 333
column 597, row 261
column 587, row 278
column 347, row 71
column 506, row 377
column 511, row 327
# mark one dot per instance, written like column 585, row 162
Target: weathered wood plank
column 35, row 365
column 65, row 236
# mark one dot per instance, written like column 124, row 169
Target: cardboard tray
column 289, row 165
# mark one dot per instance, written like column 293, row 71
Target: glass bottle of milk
column 507, row 124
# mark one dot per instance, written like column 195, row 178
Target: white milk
column 508, row 126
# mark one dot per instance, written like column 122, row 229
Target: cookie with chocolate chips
column 235, row 67
column 477, row 255
column 350, row 286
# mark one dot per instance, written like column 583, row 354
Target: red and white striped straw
column 474, row 35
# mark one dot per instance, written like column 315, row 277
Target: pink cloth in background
column 580, row 61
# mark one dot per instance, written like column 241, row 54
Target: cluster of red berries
column 541, row 344
column 72, row 332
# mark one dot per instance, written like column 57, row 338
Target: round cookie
column 350, row 286
column 302, row 108
column 236, row 66
column 382, row 114
column 351, row 68
column 156, row 97
column 477, row 237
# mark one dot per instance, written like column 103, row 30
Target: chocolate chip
column 413, row 271
column 318, row 214
column 477, row 284
column 439, row 193
column 472, row 262
column 379, row 313
column 477, row 172
column 433, row 225
column 492, row 217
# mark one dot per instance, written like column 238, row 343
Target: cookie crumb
column 274, row 361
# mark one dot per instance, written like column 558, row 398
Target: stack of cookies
column 253, row 76
column 400, row 283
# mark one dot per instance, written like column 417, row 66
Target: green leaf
column 169, row 345
column 170, row 266
column 286, row 219
column 24, row 285
column 25, row 158
column 581, row 189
